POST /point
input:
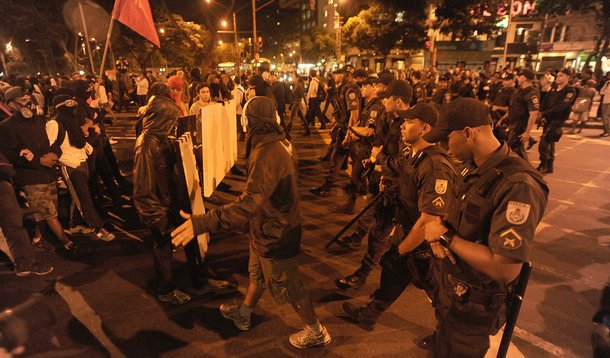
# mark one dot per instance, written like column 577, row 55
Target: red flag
column 136, row 14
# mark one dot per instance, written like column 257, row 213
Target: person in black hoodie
column 24, row 141
column 270, row 204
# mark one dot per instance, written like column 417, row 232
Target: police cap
column 457, row 115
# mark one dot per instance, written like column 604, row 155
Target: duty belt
column 464, row 292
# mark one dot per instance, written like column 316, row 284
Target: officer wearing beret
column 555, row 110
column 488, row 234
column 522, row 112
column 426, row 183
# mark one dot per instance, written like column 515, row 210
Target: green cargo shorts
column 281, row 277
column 42, row 198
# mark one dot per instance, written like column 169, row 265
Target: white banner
column 219, row 143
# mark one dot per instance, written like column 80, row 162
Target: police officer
column 522, row 113
column 426, row 176
column 349, row 107
column 499, row 107
column 555, row 110
column 419, row 90
column 387, row 144
column 495, row 85
column 362, row 139
column 488, row 235
column 442, row 95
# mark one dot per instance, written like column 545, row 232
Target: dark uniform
column 522, row 103
column 419, row 94
column 502, row 100
column 499, row 205
column 494, row 89
column 555, row 110
column 360, row 150
column 349, row 99
column 426, row 186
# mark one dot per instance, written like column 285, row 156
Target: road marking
column 543, row 344
column 125, row 138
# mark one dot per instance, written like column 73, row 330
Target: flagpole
column 82, row 17
column 106, row 46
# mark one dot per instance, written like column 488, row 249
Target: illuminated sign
column 519, row 8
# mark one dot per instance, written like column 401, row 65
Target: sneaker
column 307, row 338
column 80, row 230
column 176, row 297
column 41, row 244
column 36, row 269
column 604, row 134
column 231, row 311
column 104, row 235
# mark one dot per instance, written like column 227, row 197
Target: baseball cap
column 566, row 71
column 529, row 74
column 400, row 88
column 370, row 81
column 361, row 73
column 256, row 81
column 13, row 93
column 422, row 111
column 457, row 115
column 385, row 78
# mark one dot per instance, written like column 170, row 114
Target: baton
column 513, row 309
column 349, row 224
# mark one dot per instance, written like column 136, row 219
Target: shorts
column 281, row 277
column 43, row 199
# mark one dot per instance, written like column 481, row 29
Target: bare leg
column 304, row 309
column 57, row 229
column 253, row 294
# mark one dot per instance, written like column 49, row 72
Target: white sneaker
column 80, row 230
column 231, row 312
column 104, row 235
column 307, row 338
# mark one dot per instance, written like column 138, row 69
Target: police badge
column 440, row 186
column 517, row 212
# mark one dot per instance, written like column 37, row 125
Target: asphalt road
column 109, row 288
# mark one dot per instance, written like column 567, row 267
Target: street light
column 223, row 23
column 220, row 42
column 162, row 31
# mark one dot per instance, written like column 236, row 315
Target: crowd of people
column 442, row 156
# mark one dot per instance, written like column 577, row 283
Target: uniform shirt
column 494, row 89
column 349, row 100
column 419, row 94
column 426, row 183
column 522, row 103
column 504, row 96
column 517, row 205
column 558, row 104
column 372, row 113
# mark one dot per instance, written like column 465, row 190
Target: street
column 109, row 289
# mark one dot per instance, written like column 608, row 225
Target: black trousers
column 514, row 142
column 314, row 111
column 378, row 234
column 11, row 223
column 338, row 157
column 546, row 147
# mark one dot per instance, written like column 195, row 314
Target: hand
column 366, row 163
column 524, row 137
column 433, row 231
column 353, row 136
column 48, row 160
column 97, row 129
column 184, row 233
column 27, row 154
column 391, row 259
column 376, row 150
column 441, row 252
column 15, row 352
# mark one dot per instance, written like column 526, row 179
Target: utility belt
column 464, row 292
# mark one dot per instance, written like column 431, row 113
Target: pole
column 106, row 46
column 353, row 221
column 82, row 18
column 255, row 38
column 3, row 63
column 338, row 37
column 510, row 12
column 237, row 55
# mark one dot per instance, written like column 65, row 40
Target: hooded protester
column 270, row 204
column 176, row 85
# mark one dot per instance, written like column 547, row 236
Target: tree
column 317, row 45
column 601, row 9
column 465, row 19
column 383, row 27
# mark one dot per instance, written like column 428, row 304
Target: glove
column 391, row 259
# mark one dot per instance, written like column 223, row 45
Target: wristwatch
column 446, row 238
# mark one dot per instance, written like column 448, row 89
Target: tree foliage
column 383, row 27
column 317, row 45
column 464, row 19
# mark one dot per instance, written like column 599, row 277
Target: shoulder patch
column 517, row 212
column 438, row 202
column 440, row 186
column 535, row 99
column 512, row 240
column 373, row 114
column 352, row 95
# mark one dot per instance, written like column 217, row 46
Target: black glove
column 391, row 259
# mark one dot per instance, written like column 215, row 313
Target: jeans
column 11, row 223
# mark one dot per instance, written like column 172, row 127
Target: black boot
column 353, row 241
column 359, row 316
column 353, row 281
column 548, row 168
column 323, row 190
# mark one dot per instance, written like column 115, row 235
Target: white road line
column 543, row 344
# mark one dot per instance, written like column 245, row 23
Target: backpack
column 321, row 91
